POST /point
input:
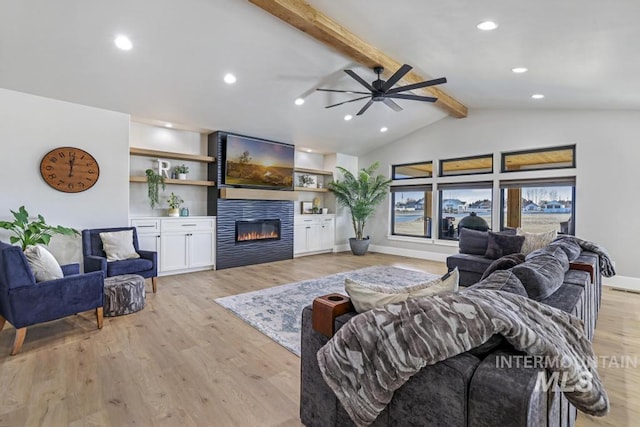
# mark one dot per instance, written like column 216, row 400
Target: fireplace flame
column 254, row 235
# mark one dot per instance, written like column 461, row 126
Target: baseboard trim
column 622, row 282
column 431, row 256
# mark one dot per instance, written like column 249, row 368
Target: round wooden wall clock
column 69, row 169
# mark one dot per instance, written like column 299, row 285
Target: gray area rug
column 277, row 311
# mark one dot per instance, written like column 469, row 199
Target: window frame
column 463, row 185
column 405, row 188
column 503, row 158
column 456, row 159
column 393, row 170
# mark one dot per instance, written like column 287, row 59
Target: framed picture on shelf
column 308, row 181
column 306, row 207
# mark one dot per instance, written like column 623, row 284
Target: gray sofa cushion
column 568, row 245
column 473, row 242
column 500, row 245
column 554, row 251
column 504, row 263
column 465, row 262
column 502, row 280
column 541, row 276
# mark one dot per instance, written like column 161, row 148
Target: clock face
column 69, row 169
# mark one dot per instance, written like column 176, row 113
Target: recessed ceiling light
column 229, row 78
column 168, row 125
column 123, row 42
column 383, row 129
column 309, row 150
column 519, row 70
column 487, row 26
column 537, row 96
column 348, row 117
column 299, row 101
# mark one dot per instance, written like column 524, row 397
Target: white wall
column 173, row 140
column 607, row 159
column 344, row 227
column 30, row 126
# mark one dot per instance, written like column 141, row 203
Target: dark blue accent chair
column 23, row 302
column 95, row 259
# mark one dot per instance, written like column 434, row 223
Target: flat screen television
column 257, row 163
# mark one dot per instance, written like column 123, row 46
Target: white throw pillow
column 365, row 296
column 43, row 265
column 118, row 245
column 535, row 241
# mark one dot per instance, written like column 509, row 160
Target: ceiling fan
column 380, row 90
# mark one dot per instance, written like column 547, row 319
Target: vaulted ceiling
column 580, row 55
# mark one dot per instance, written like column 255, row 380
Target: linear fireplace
column 257, row 230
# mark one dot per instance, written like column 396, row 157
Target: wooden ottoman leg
column 17, row 343
column 99, row 316
column 154, row 283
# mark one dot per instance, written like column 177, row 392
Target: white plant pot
column 174, row 212
column 182, row 176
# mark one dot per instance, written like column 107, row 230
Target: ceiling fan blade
column 418, row 85
column 360, row 80
column 366, row 106
column 344, row 91
column 389, row 103
column 396, row 77
column 345, row 102
column 411, row 97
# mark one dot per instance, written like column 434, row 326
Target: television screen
column 256, row 163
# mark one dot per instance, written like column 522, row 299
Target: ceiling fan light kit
column 383, row 91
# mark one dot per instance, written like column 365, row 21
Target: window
column 411, row 210
column 459, row 200
column 467, row 165
column 546, row 158
column 539, row 205
column 412, row 170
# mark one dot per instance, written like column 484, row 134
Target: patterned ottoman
column 123, row 294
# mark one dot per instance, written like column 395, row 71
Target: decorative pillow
column 366, row 296
column 500, row 245
column 533, row 241
column 541, row 276
column 473, row 242
column 43, row 265
column 502, row 280
column 118, row 245
column 504, row 263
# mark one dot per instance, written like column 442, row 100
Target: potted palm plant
column 361, row 194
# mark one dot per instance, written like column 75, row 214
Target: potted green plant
column 182, row 171
column 35, row 232
column 154, row 181
column 361, row 194
column 174, row 204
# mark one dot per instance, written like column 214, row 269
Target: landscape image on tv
column 256, row 163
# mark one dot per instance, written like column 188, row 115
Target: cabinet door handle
column 307, row 228
column 146, row 226
column 189, row 225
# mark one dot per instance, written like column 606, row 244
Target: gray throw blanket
column 376, row 352
column 606, row 266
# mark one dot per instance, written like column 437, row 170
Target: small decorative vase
column 174, row 212
column 184, row 212
column 182, row 176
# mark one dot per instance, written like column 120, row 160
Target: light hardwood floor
column 184, row 360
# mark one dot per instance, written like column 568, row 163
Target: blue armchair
column 95, row 259
column 24, row 303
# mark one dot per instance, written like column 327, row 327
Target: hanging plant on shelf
column 154, row 181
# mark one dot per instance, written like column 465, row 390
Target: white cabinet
column 313, row 234
column 183, row 244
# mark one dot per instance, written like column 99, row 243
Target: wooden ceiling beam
column 301, row 15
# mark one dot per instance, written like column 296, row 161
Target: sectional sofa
column 474, row 388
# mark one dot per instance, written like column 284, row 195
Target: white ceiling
column 581, row 54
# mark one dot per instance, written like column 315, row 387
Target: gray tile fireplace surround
column 230, row 253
